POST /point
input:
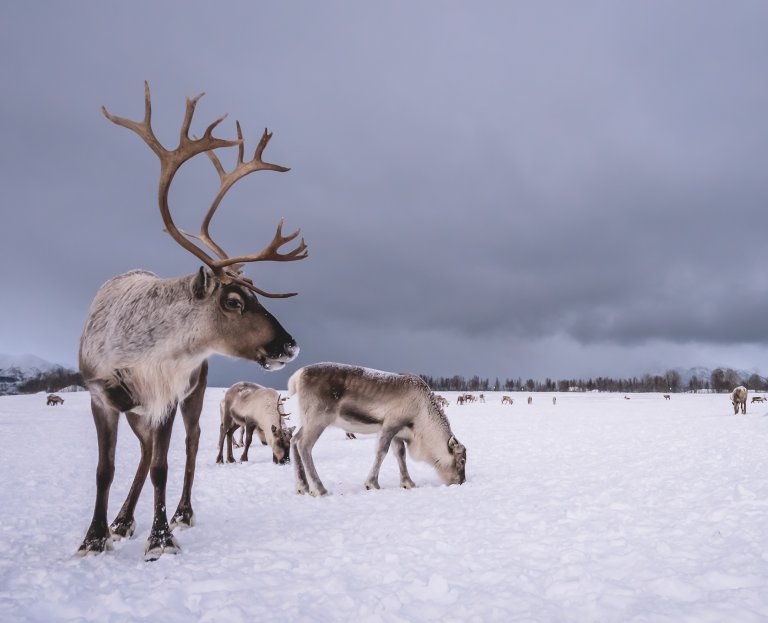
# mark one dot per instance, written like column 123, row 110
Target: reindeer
column 667, row 397
column 144, row 348
column 256, row 408
column 507, row 400
column 442, row 401
column 400, row 407
column 739, row 399
column 530, row 400
column 757, row 399
column 53, row 400
column 482, row 398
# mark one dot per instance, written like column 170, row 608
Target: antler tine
column 270, row 252
column 142, row 128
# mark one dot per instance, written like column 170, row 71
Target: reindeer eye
column 233, row 302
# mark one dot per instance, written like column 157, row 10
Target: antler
column 226, row 268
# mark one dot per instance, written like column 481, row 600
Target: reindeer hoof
column 407, row 484
column 122, row 529
column 93, row 546
column 372, row 485
column 318, row 493
column 158, row 545
column 182, row 520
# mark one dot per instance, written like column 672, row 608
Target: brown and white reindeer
column 259, row 409
column 507, row 400
column 739, row 399
column 53, row 400
column 146, row 340
column 399, row 407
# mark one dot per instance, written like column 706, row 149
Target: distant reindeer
column 530, row 400
column 460, row 400
column 739, row 399
column 506, row 400
column 53, row 400
column 626, row 397
column 259, row 409
column 554, row 400
column 481, row 397
column 758, row 399
column 443, row 402
column 400, row 407
column 667, row 397
column 146, row 341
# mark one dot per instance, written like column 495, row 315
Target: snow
column 594, row 509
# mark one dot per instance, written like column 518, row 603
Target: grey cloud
column 538, row 183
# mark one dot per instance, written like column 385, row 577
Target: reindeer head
column 281, row 446
column 451, row 468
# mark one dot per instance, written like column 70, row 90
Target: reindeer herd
column 144, row 352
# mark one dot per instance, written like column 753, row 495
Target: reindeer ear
column 204, row 283
column 452, row 442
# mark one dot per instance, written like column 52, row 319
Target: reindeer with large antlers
column 146, row 341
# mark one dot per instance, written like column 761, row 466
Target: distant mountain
column 16, row 369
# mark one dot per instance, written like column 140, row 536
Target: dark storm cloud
column 473, row 181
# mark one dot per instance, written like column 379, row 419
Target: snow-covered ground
column 594, row 509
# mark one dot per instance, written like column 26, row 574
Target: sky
column 511, row 189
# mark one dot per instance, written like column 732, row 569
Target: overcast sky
column 530, row 189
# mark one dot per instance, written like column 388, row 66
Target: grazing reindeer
column 758, row 399
column 400, row 407
column 53, row 400
column 146, row 341
column 739, row 399
column 442, row 401
column 506, row 400
column 667, row 397
column 257, row 408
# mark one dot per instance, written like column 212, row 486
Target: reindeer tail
column 294, row 383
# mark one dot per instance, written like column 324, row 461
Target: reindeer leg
column 248, row 439
column 160, row 539
column 302, row 486
column 405, row 478
column 191, row 407
column 385, row 438
column 124, row 524
column 97, row 538
column 304, row 441
column 222, row 434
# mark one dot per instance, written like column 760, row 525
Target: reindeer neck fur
column 145, row 335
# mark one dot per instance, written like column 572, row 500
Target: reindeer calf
column 400, row 407
column 258, row 409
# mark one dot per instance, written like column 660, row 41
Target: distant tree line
column 51, row 381
column 720, row 380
